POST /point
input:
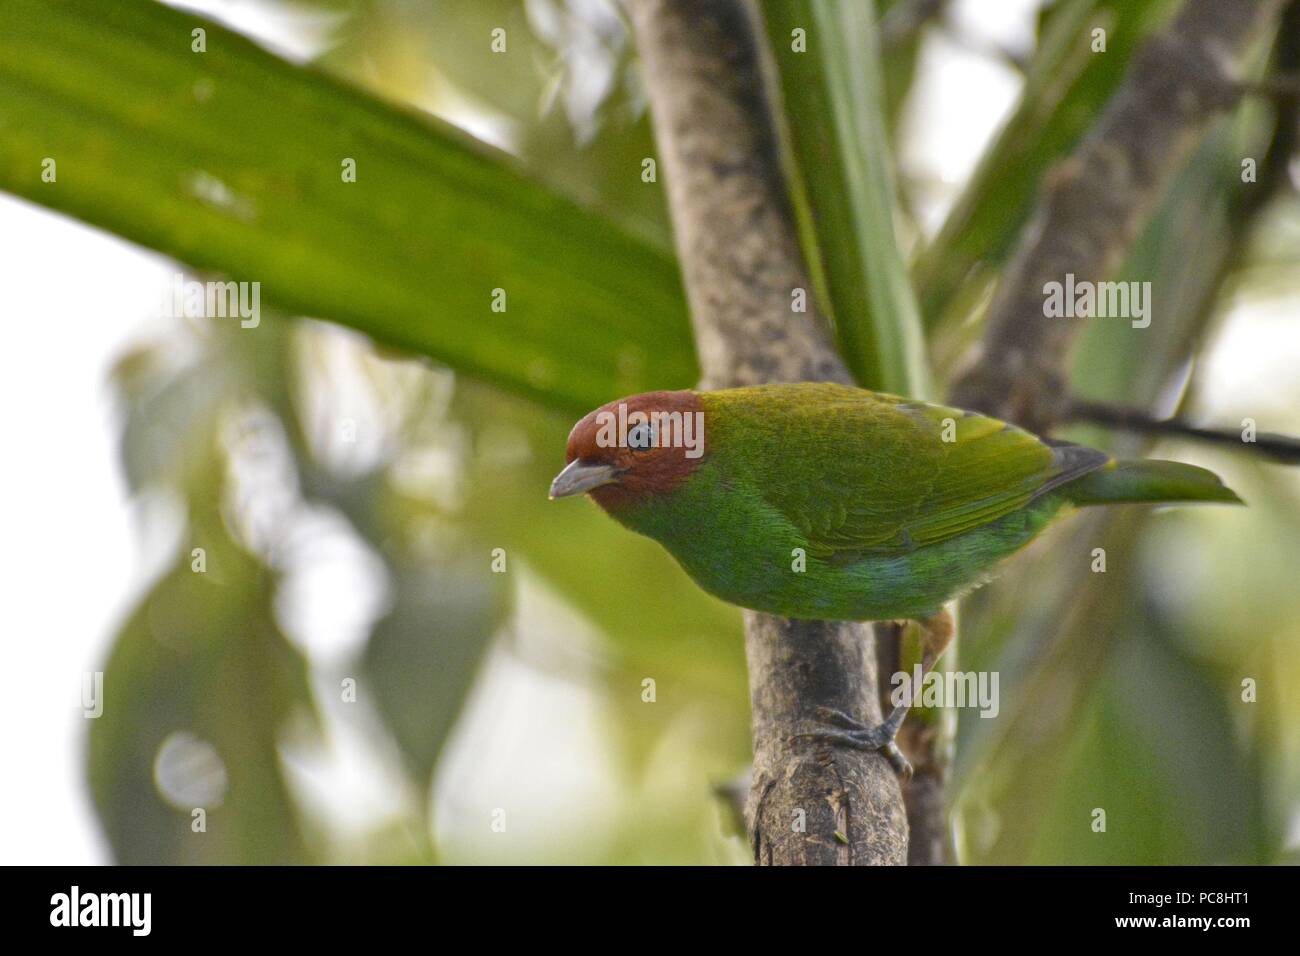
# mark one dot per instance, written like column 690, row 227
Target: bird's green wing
column 988, row 470
column 858, row 472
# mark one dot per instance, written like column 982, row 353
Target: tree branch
column 1095, row 202
column 1280, row 448
column 740, row 257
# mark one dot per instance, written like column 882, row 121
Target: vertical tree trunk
column 741, row 262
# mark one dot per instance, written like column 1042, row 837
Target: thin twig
column 1272, row 87
column 1282, row 448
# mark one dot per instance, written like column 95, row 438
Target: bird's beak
column 580, row 476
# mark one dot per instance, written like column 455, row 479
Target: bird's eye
column 640, row 437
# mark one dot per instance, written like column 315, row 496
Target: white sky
column 74, row 296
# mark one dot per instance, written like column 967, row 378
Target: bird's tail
column 1147, row 480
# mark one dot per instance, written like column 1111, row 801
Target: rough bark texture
column 740, row 257
column 1095, row 202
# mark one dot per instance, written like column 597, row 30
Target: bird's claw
column 902, row 766
column 838, row 718
column 839, row 728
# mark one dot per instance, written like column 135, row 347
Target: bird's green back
column 862, row 473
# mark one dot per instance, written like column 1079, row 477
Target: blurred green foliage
column 833, row 87
column 236, row 164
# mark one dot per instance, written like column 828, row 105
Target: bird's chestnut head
column 634, row 447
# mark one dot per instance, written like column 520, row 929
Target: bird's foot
column 837, row 727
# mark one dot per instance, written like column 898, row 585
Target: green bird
column 830, row 502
